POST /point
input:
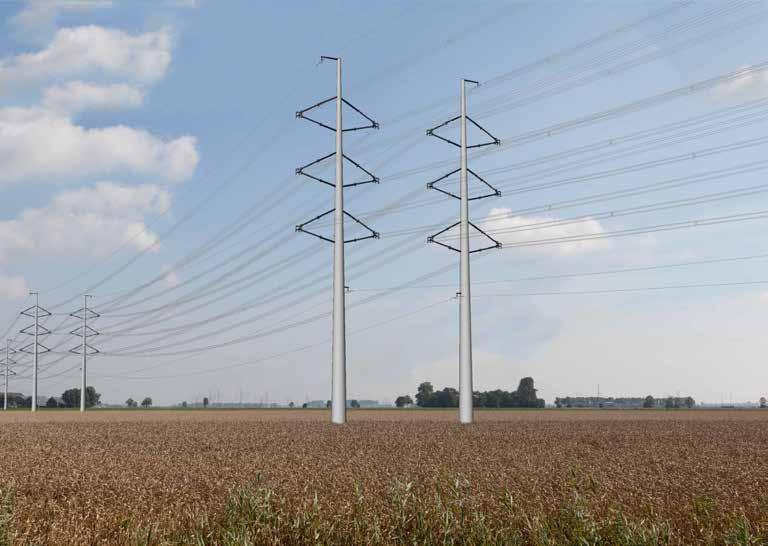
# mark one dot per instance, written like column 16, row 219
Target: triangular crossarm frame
column 28, row 312
column 30, row 349
column 79, row 350
column 494, row 141
column 302, row 114
column 433, row 239
column 89, row 332
column 372, row 234
column 79, row 313
column 373, row 178
column 41, row 330
column 433, row 186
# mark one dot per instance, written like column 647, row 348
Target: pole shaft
column 34, row 366
column 7, row 363
column 339, row 372
column 85, row 355
column 465, row 301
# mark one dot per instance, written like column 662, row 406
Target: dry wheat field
column 388, row 477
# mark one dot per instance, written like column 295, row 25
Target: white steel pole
column 465, row 301
column 34, row 365
column 7, row 363
column 85, row 355
column 339, row 373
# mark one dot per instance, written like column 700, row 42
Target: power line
column 622, row 290
column 580, row 274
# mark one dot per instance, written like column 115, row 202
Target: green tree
column 146, row 403
column 425, row 394
column 71, row 397
column 184, row 404
column 403, row 401
column 51, row 403
column 92, row 398
column 526, row 394
column 763, row 402
column 354, row 404
column 649, row 402
column 328, row 404
column 446, row 398
column 131, row 403
column 291, row 405
column 689, row 402
column 669, row 403
column 205, row 402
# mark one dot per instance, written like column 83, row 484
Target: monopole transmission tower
column 465, row 297
column 339, row 364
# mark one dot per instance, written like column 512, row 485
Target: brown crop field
column 388, row 477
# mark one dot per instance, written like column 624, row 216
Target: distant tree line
column 607, row 402
column 448, row 397
column 146, row 403
column 70, row 398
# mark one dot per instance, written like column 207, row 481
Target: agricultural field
column 388, row 477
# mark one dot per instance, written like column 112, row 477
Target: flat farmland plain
column 388, row 477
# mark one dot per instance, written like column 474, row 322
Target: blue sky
column 147, row 155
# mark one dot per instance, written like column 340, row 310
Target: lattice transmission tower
column 35, row 348
column 339, row 365
column 84, row 349
column 465, row 296
column 7, row 363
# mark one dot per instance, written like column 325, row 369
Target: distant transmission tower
column 84, row 331
column 7, row 362
column 339, row 366
column 465, row 297
column 35, row 347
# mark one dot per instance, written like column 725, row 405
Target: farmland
column 271, row 476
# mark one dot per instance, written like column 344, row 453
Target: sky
column 148, row 154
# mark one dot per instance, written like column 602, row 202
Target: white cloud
column 12, row 288
column 72, row 151
column 78, row 96
column 171, row 278
column 516, row 230
column 749, row 85
column 37, row 20
column 85, row 222
column 92, row 49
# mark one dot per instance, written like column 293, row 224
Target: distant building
column 15, row 399
column 369, row 404
column 363, row 404
column 619, row 403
